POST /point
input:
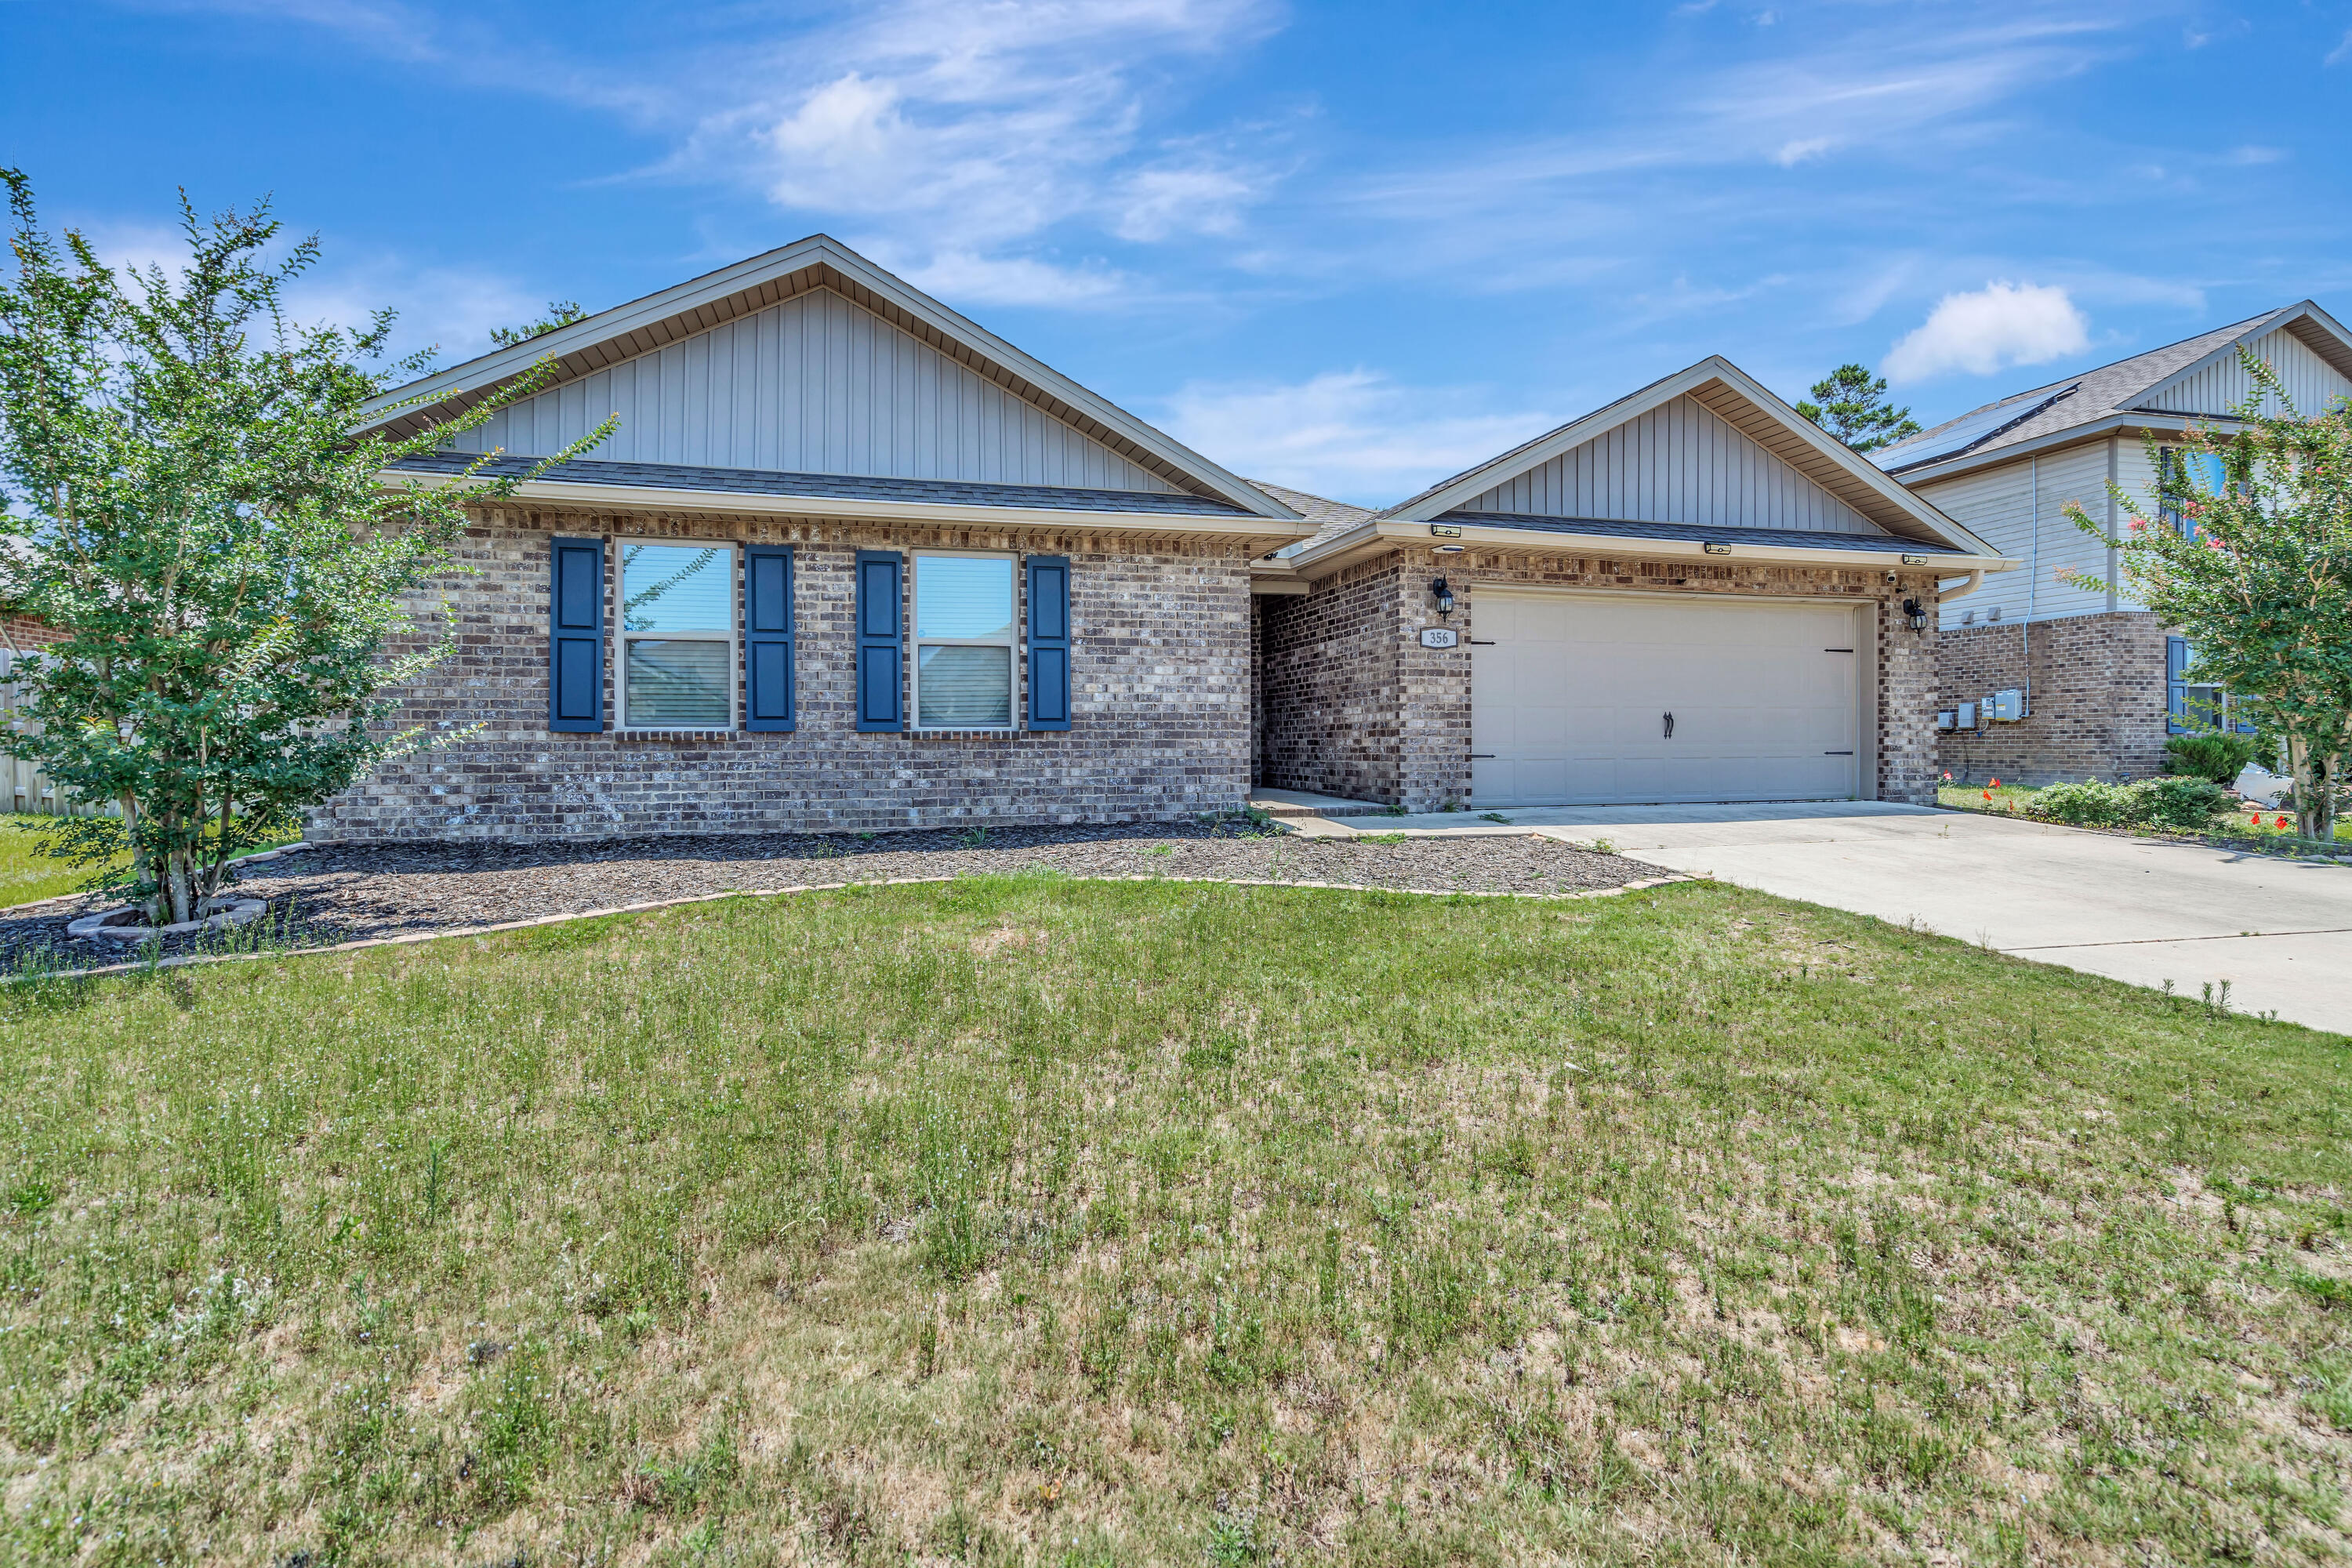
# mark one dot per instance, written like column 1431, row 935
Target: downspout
column 2115, row 450
column 2034, row 576
column 1968, row 585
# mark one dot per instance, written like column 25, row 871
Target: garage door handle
column 1837, row 753
column 1475, row 643
column 1482, row 756
column 1670, row 726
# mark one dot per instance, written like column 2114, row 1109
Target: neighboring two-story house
column 2101, row 683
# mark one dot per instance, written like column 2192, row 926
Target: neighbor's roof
column 1747, row 406
column 819, row 261
column 824, row 487
column 2109, row 395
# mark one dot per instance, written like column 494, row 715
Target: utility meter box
column 2005, row 707
column 1967, row 717
column 1948, row 718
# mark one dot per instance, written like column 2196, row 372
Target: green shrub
column 2212, row 754
column 2089, row 804
column 2176, row 804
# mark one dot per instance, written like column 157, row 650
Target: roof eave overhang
column 1374, row 539
column 1257, row 532
column 1757, row 413
column 2130, row 422
column 2305, row 321
column 819, row 261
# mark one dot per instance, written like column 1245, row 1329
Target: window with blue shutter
column 768, row 638
column 575, row 635
column 1049, row 642
column 881, row 640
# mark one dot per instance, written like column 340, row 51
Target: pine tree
column 1851, row 403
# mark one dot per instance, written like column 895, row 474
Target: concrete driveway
column 2145, row 911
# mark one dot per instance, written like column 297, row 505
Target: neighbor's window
column 963, row 642
column 2191, row 706
column 2207, row 468
column 677, row 637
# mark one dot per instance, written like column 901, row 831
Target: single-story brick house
column 2101, row 683
column 850, row 561
column 1692, row 594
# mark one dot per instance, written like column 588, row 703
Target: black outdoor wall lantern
column 1915, row 613
column 1444, row 596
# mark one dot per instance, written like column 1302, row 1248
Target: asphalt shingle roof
column 834, row 487
column 1330, row 517
column 2098, row 394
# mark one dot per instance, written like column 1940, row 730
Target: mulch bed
column 348, row 894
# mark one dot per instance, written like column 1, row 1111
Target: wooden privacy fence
column 23, row 786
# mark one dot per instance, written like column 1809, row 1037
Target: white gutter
column 1371, row 538
column 662, row 498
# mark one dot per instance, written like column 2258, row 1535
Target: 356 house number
column 1439, row 636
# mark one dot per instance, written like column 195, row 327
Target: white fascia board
column 492, row 369
column 652, row 497
column 1376, row 538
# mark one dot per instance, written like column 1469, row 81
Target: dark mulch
column 347, row 894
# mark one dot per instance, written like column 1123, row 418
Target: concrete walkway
column 2143, row 910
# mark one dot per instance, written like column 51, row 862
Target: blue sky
column 1351, row 247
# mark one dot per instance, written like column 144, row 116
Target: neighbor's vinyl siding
column 2311, row 382
column 1678, row 463
column 1998, row 506
column 814, row 384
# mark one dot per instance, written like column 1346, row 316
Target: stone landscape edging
column 412, row 938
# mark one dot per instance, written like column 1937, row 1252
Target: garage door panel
column 1570, row 700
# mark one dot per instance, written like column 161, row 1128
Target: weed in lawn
column 1022, row 1219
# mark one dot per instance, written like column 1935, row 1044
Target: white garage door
column 1585, row 699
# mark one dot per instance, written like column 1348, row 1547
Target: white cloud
column 976, row 125
column 2341, row 52
column 1355, row 434
column 1793, row 154
column 965, row 278
column 1997, row 326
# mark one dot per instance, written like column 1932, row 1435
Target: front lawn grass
column 28, row 876
column 1021, row 1219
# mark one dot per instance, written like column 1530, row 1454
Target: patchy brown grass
column 1024, row 1220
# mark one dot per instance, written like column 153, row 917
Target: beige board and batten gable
column 1690, row 595
column 815, row 384
column 1679, row 462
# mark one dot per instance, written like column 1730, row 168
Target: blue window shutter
column 1049, row 642
column 2176, row 705
column 768, row 638
column 881, row 640
column 575, row 635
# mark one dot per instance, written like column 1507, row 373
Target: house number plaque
column 1439, row 636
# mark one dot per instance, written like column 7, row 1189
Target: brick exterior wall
column 1161, row 682
column 1353, row 705
column 23, row 632
column 2097, row 685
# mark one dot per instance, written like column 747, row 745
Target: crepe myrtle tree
column 2253, row 565
column 235, row 580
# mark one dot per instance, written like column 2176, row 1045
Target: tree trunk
column 2315, row 791
column 180, row 885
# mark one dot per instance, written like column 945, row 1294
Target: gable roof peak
column 1751, row 409
column 816, row 261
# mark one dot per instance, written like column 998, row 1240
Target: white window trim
column 1009, row 641
column 732, row 637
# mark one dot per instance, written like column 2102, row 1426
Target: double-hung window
column 677, row 637
column 964, row 620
